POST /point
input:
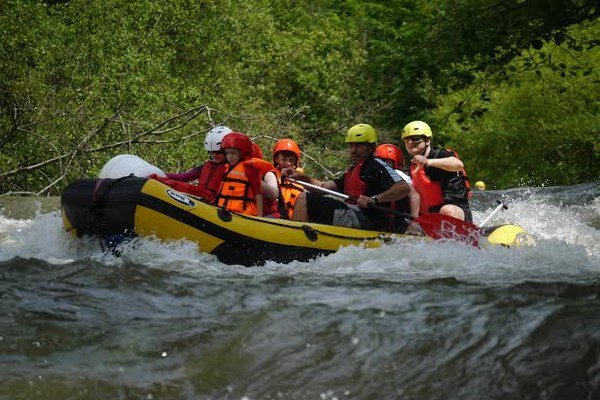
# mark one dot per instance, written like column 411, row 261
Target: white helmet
column 214, row 137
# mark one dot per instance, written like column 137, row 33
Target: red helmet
column 256, row 151
column 390, row 152
column 238, row 141
column 287, row 145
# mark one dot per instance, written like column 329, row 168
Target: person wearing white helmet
column 210, row 173
column 437, row 174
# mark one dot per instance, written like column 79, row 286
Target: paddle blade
column 438, row 226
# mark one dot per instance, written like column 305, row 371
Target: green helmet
column 417, row 128
column 361, row 133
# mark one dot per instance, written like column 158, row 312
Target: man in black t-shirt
column 369, row 181
column 438, row 174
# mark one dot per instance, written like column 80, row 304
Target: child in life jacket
column 208, row 174
column 268, row 183
column 286, row 154
column 242, row 188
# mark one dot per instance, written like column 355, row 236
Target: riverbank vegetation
column 512, row 86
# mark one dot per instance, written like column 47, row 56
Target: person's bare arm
column 451, row 164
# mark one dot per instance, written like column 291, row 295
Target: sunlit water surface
column 407, row 321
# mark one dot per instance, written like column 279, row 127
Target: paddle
column 501, row 205
column 436, row 226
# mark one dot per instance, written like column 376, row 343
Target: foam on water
column 548, row 214
column 568, row 248
column 41, row 238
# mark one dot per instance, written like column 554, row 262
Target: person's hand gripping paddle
column 435, row 226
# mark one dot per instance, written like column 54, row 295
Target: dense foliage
column 511, row 85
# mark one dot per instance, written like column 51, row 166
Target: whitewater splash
column 565, row 220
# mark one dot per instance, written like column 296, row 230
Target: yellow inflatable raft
column 115, row 209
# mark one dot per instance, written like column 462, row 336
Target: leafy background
column 513, row 86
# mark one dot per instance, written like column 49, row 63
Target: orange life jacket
column 289, row 193
column 236, row 193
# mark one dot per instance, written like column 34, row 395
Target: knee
column 452, row 210
column 300, row 212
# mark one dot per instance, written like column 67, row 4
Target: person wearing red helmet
column 393, row 156
column 243, row 187
column 269, row 181
column 286, row 154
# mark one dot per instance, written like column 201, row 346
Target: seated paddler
column 437, row 174
column 208, row 174
column 286, row 154
column 268, row 185
column 368, row 181
column 242, row 187
column 395, row 159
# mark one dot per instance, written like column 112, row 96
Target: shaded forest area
column 513, row 86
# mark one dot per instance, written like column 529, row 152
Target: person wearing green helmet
column 438, row 174
column 368, row 180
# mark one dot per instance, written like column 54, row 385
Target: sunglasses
column 413, row 139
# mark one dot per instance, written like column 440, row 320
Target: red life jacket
column 353, row 185
column 269, row 206
column 210, row 178
column 431, row 193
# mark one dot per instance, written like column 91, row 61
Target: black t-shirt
column 376, row 173
column 379, row 177
column 453, row 184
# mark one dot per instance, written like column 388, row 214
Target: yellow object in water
column 511, row 236
column 480, row 185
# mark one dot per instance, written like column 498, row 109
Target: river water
column 407, row 321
